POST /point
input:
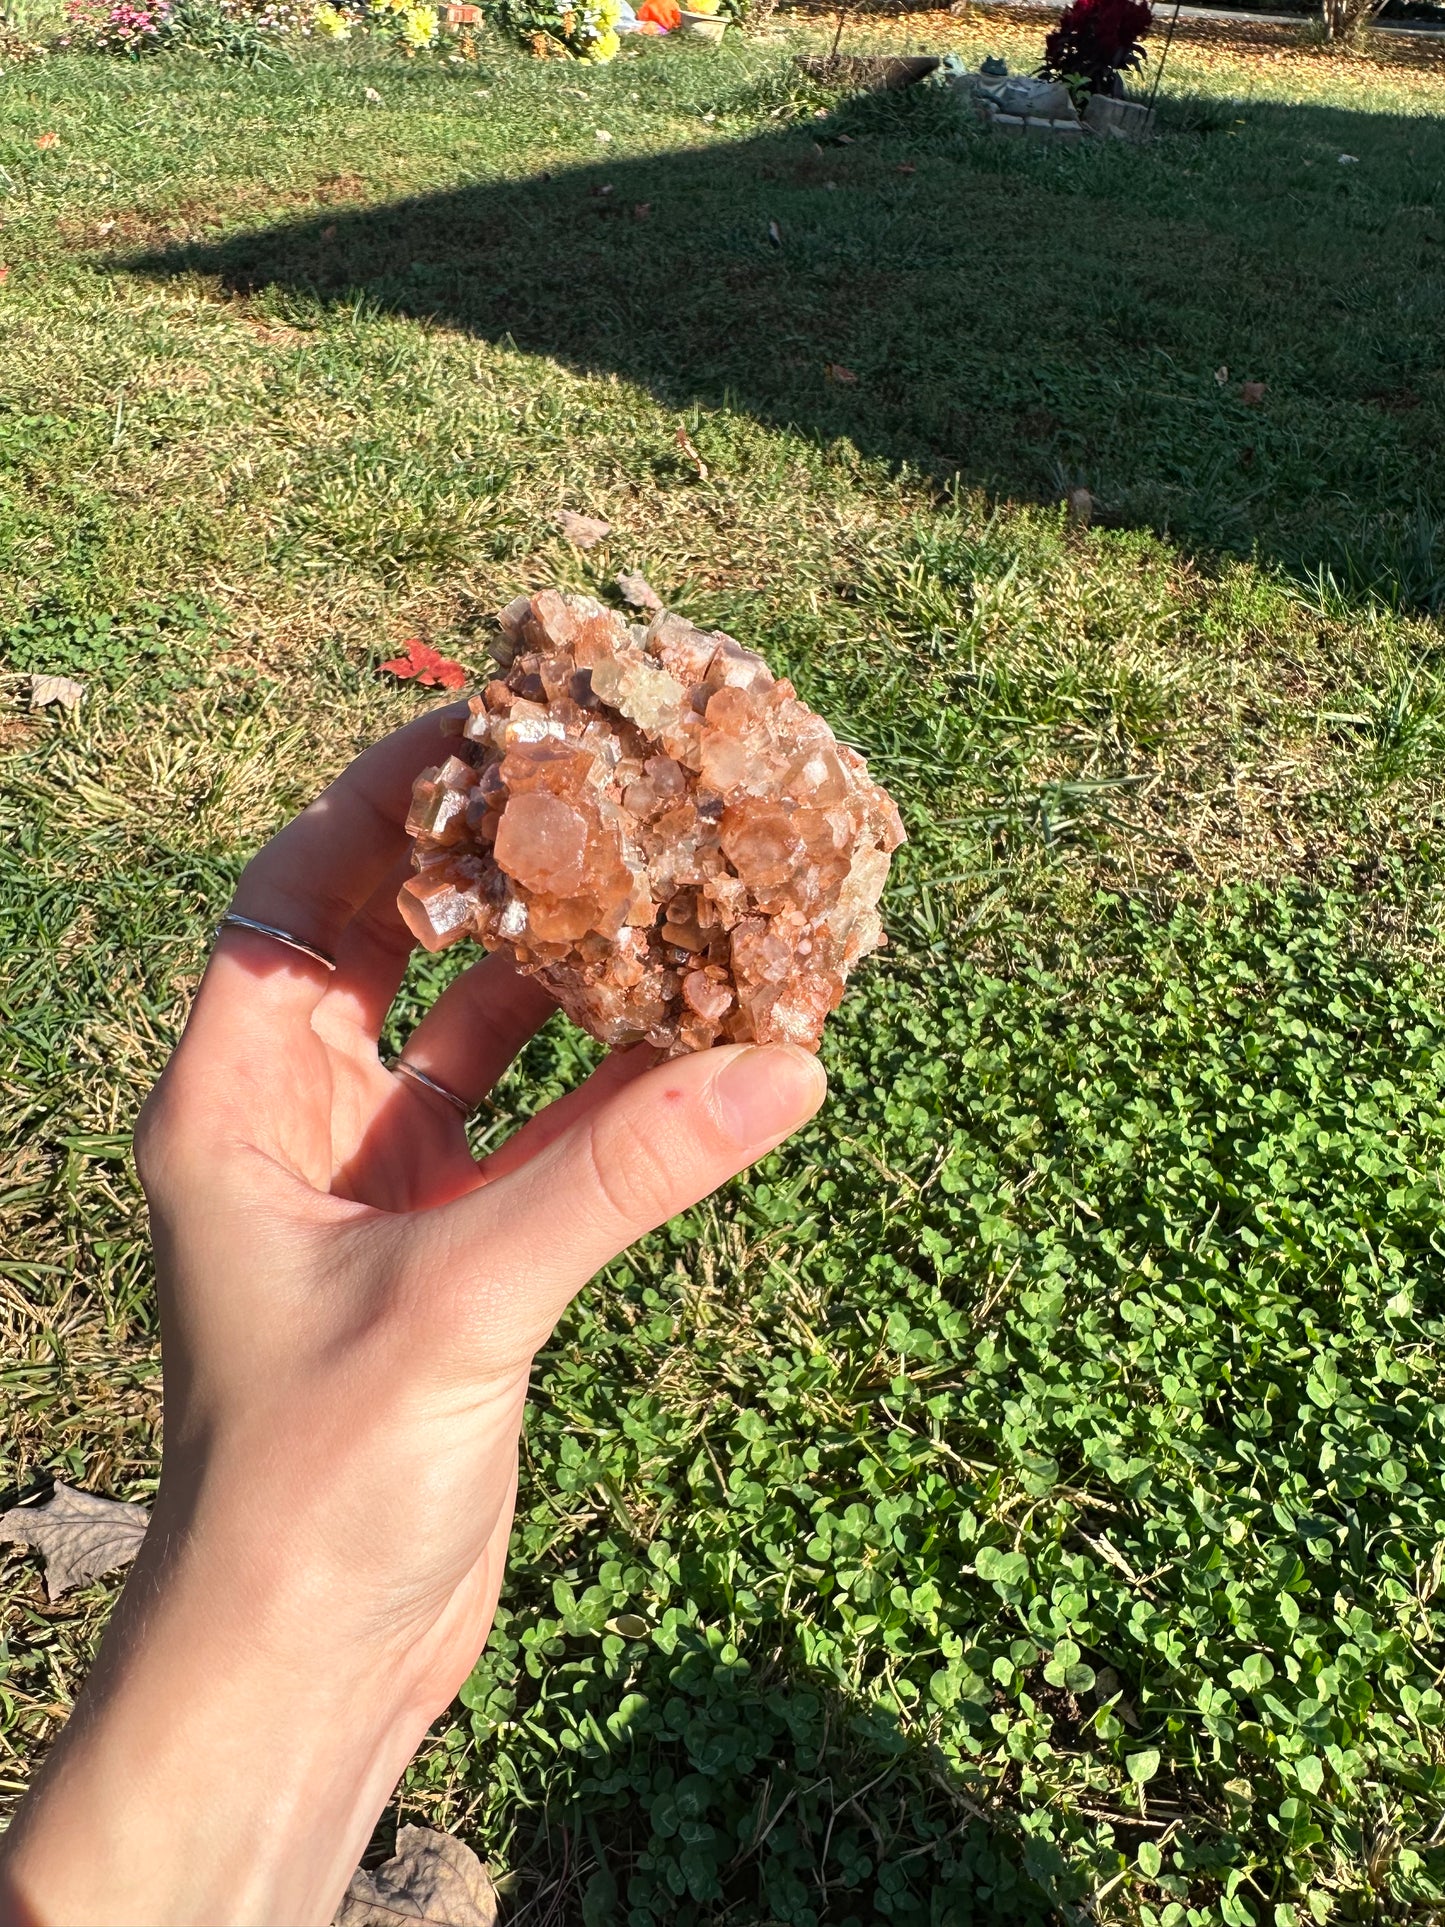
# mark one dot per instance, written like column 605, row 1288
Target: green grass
column 1023, row 1496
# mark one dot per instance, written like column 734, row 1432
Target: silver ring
column 403, row 1069
column 233, row 920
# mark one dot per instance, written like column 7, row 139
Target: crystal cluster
column 657, row 828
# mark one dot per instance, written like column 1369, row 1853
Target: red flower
column 423, row 664
column 1097, row 39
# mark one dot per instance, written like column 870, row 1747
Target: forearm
column 226, row 1763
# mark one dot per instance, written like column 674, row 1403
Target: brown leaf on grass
column 638, row 593
column 431, row 1878
column 1221, row 375
column 1252, row 393
column 79, row 1535
column 63, row 690
column 1080, row 505
column 835, row 371
column 583, row 531
column 685, row 443
column 641, row 210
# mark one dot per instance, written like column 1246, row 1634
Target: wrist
column 229, row 1758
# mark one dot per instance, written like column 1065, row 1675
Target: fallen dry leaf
column 78, row 1534
column 373, row 95
column 629, row 1626
column 835, row 371
column 4, row 274
column 641, row 210
column 328, row 233
column 1221, row 375
column 583, row 531
column 425, row 665
column 775, row 234
column 685, row 443
column 637, row 592
column 62, row 690
column 47, row 140
column 1252, row 393
column 432, row 1878
column 1080, row 504
column 905, row 167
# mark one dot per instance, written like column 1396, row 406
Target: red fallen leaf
column 328, row 233
column 47, row 140
column 1251, row 393
column 641, row 210
column 423, row 664
column 4, row 275
column 835, row 371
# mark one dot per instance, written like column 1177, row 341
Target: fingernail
column 767, row 1091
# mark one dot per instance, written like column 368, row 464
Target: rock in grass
column 657, row 828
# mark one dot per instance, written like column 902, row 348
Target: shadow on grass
column 1027, row 319
column 710, row 1793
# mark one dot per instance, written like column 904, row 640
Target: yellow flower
column 606, row 15
column 331, row 23
column 419, row 26
column 604, row 47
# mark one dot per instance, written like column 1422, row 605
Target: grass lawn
column 1022, row 1498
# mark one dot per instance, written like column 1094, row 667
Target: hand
column 350, row 1306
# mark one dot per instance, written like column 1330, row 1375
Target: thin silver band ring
column 233, row 920
column 403, row 1069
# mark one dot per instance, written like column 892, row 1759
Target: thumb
column 643, row 1152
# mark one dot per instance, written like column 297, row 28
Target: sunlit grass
column 1135, row 1126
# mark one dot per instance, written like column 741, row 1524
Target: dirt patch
column 270, row 334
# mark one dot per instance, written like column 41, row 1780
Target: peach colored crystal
column 657, row 828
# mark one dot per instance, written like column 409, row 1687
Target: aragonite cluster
column 657, row 828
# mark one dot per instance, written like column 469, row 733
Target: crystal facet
column 657, row 828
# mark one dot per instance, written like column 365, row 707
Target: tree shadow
column 1025, row 319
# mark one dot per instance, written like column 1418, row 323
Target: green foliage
column 1073, row 1427
column 160, row 640
column 583, row 28
column 253, row 31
